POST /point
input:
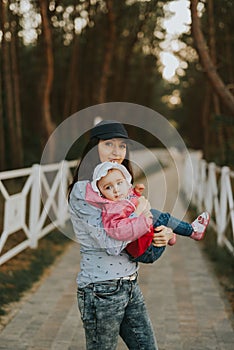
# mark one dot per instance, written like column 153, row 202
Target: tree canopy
column 60, row 56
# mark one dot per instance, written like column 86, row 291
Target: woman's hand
column 162, row 235
column 143, row 207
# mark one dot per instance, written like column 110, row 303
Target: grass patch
column 222, row 262
column 19, row 273
column 221, row 259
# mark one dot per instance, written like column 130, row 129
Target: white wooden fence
column 41, row 204
column 35, row 210
column 212, row 190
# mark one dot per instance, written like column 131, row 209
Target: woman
column 109, row 297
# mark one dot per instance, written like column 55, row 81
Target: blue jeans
column 112, row 308
column 182, row 228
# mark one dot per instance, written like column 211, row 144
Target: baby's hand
column 143, row 207
column 139, row 188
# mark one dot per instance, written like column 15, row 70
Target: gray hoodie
column 102, row 257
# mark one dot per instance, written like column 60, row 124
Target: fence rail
column 212, row 190
column 40, row 205
column 35, row 210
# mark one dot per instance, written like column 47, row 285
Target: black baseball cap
column 109, row 129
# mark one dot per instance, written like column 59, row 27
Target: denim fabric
column 179, row 227
column 112, row 308
column 151, row 254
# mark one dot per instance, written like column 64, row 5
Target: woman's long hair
column 89, row 160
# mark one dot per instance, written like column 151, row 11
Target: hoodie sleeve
column 87, row 223
column 120, row 226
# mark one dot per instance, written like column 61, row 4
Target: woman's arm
column 87, row 223
column 92, row 233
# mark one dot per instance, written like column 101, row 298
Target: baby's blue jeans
column 112, row 308
column 179, row 227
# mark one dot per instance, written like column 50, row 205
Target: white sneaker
column 199, row 226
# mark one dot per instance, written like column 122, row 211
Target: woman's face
column 113, row 150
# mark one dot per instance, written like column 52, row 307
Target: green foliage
column 204, row 121
column 78, row 62
column 221, row 260
column 79, row 55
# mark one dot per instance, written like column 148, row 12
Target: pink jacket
column 115, row 216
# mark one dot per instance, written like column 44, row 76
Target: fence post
column 223, row 205
column 62, row 197
column 230, row 202
column 210, row 191
column 201, row 184
column 197, row 157
column 35, row 204
column 188, row 176
column 216, row 196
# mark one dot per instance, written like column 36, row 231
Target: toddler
column 124, row 211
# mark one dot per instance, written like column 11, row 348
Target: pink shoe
column 172, row 241
column 199, row 226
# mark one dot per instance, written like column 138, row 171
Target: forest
column 60, row 56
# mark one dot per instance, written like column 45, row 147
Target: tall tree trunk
column 72, row 93
column 49, row 69
column 229, row 129
column 109, row 52
column 8, row 87
column 228, row 47
column 212, row 47
column 215, row 97
column 217, row 83
column 2, row 131
column 122, row 80
column 75, row 81
column 229, row 58
column 15, row 80
column 206, row 120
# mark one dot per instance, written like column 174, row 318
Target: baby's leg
column 179, row 227
column 195, row 230
column 151, row 254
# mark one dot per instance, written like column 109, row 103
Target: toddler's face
column 114, row 186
